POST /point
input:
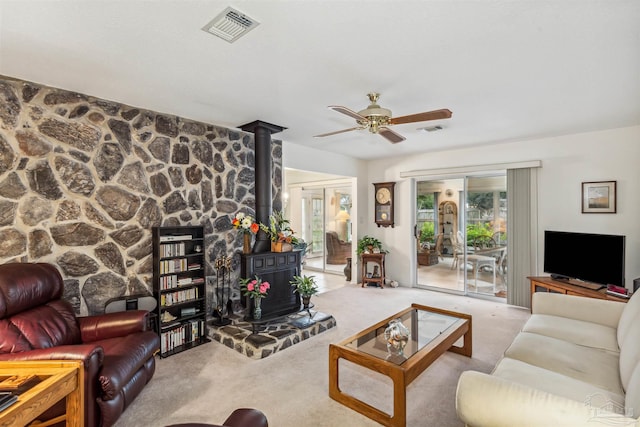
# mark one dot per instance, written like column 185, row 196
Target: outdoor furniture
column 457, row 240
column 478, row 262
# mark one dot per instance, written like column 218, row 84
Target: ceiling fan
column 377, row 119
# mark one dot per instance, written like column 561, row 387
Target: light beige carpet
column 207, row 383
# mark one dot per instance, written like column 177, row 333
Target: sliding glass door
column 461, row 227
column 327, row 215
column 486, row 235
column 438, row 216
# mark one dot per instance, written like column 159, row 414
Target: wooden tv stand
column 569, row 287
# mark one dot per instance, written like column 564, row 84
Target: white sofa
column 575, row 363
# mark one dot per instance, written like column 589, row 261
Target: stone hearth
column 270, row 337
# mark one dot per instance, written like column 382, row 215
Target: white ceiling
column 509, row 70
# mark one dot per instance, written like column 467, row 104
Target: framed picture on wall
column 599, row 197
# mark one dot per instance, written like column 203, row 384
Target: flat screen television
column 595, row 258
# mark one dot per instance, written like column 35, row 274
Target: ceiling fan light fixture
column 377, row 119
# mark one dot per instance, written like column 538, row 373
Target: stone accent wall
column 83, row 180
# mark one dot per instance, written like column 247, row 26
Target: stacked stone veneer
column 83, row 180
column 267, row 338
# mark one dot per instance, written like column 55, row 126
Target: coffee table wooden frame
column 400, row 375
column 59, row 379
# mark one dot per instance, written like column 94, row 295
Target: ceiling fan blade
column 348, row 112
column 390, row 135
column 338, row 131
column 422, row 117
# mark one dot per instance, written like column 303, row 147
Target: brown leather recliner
column 37, row 324
column 337, row 250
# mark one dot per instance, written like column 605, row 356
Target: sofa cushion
column 554, row 383
column 632, row 398
column 603, row 312
column 596, row 366
column 28, row 285
column 123, row 357
column 579, row 332
column 629, row 356
column 629, row 317
column 45, row 326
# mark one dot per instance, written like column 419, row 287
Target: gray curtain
column 521, row 238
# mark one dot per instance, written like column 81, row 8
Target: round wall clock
column 383, row 195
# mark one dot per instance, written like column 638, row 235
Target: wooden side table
column 376, row 259
column 59, row 379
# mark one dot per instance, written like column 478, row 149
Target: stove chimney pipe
column 264, row 197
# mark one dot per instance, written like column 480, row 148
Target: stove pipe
column 264, row 197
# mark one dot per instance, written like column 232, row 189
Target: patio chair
column 457, row 243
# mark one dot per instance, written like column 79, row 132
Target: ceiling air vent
column 431, row 128
column 230, row 25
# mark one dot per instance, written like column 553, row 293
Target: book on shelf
column 173, row 265
column 187, row 333
column 170, row 325
column 617, row 291
column 179, row 297
column 7, row 399
column 189, row 311
column 175, row 237
column 172, row 249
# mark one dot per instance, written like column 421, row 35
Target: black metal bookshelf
column 179, row 284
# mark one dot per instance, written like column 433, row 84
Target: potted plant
column 306, row 286
column 426, row 236
column 369, row 244
column 279, row 232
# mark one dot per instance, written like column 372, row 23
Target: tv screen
column 595, row 258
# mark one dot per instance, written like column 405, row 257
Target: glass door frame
column 333, row 202
column 462, row 214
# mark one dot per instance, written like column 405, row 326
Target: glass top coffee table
column 432, row 331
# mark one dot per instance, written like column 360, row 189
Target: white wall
column 567, row 161
column 313, row 160
column 309, row 159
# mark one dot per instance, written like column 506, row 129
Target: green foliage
column 478, row 230
column 481, row 201
column 304, row 285
column 427, row 232
column 367, row 241
column 425, row 201
column 278, row 229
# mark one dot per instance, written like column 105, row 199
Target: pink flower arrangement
column 255, row 288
